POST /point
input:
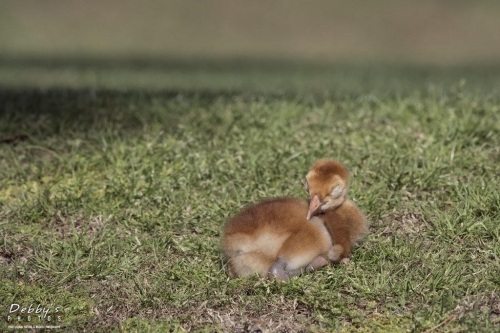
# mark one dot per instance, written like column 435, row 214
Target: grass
column 113, row 207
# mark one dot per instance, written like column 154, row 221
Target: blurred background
column 446, row 31
column 38, row 38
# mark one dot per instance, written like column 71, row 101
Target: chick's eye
column 336, row 191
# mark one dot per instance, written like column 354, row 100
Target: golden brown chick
column 280, row 238
column 273, row 238
column 326, row 185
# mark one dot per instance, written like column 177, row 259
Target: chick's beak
column 314, row 206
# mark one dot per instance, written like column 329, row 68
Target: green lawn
column 113, row 206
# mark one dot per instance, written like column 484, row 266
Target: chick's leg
column 317, row 262
column 277, row 271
